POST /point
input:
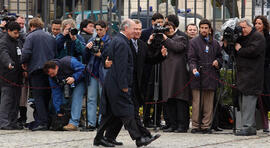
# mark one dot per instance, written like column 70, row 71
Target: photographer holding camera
column 249, row 54
column 69, row 43
column 94, row 56
column 64, row 74
column 174, row 76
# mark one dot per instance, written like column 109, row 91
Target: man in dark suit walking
column 141, row 56
column 117, row 105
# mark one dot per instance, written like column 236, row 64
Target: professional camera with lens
column 97, row 45
column 66, row 88
column 73, row 31
column 160, row 29
column 231, row 35
column 158, row 32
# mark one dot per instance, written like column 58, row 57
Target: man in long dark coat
column 250, row 54
column 117, row 104
column 204, row 56
column 10, row 69
column 141, row 56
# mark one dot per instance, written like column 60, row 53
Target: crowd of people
column 118, row 75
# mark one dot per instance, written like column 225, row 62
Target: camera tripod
column 85, row 129
column 156, row 92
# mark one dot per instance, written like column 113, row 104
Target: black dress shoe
column 143, row 141
column 195, row 131
column 217, row 129
column 40, row 128
column 165, row 127
column 168, row 130
column 266, row 130
column 180, row 130
column 207, row 131
column 245, row 133
column 12, row 127
column 103, row 142
column 113, row 141
column 155, row 137
column 7, row 128
column 90, row 128
column 17, row 126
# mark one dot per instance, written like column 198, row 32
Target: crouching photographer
column 65, row 76
column 249, row 56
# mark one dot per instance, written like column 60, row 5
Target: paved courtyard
column 52, row 139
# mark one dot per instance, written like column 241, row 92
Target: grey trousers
column 247, row 108
column 9, row 105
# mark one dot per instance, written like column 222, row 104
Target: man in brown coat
column 204, row 57
column 174, row 76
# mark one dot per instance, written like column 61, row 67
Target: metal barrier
column 116, row 8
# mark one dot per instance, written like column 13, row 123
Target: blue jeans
column 94, row 89
column 76, row 106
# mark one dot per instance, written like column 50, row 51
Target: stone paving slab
column 77, row 139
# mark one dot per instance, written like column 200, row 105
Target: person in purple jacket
column 205, row 58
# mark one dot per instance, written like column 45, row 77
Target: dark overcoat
column 10, row 53
column 140, row 59
column 174, row 74
column 250, row 63
column 201, row 54
column 266, row 87
column 119, row 76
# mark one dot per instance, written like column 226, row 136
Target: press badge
column 19, row 51
column 206, row 49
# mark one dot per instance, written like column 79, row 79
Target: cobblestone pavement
column 77, row 139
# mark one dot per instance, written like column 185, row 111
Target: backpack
column 225, row 117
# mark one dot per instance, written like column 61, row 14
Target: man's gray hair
column 126, row 23
column 242, row 20
column 137, row 21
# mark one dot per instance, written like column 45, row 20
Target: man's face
column 89, row 28
column 100, row 31
column 56, row 29
column 137, row 31
column 192, row 31
column 53, row 72
column 245, row 28
column 21, row 22
column 158, row 21
column 130, row 30
column 14, row 34
column 204, row 30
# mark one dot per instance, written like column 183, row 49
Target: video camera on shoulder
column 73, row 31
column 97, row 45
column 231, row 35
